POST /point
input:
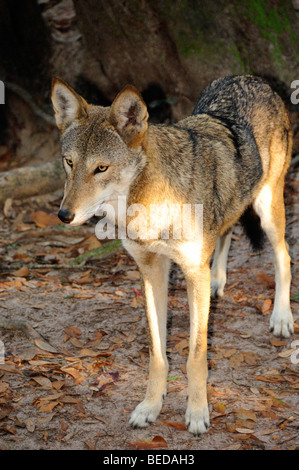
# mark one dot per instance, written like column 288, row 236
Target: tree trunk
column 30, row 181
column 182, row 45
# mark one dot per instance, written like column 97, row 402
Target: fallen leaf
column 266, row 280
column 266, row 306
column 132, row 275
column 277, row 343
column 44, row 420
column 40, row 343
column 75, row 373
column 47, row 407
column 73, row 331
column 90, row 445
column 43, row 381
column 85, row 352
column 134, row 303
column 43, row 219
column 93, row 242
column 22, row 272
column 9, row 368
column 105, row 379
column 236, row 360
column 219, row 407
column 58, row 384
column 156, row 443
column 179, row 426
column 64, row 426
column 251, row 358
column 245, row 414
column 30, row 425
column 287, row 352
column 7, row 207
column 181, row 345
column 4, row 386
column 244, row 430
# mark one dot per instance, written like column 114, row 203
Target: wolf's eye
column 69, row 162
column 101, row 169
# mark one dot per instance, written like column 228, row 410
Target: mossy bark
column 182, row 44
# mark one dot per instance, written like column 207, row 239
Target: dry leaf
column 75, row 373
column 245, row 414
column 85, row 352
column 40, row 343
column 58, row 384
column 64, row 426
column 244, row 430
column 236, row 360
column 132, row 275
column 179, row 426
column 277, row 343
column 266, row 280
column 7, row 207
column 219, row 407
column 105, row 379
column 93, row 242
column 251, row 358
column 287, row 352
column 22, row 272
column 73, row 331
column 181, row 345
column 47, row 407
column 266, row 306
column 44, row 420
column 3, row 387
column 43, row 381
column 43, row 219
column 30, row 425
column 9, row 368
column 156, row 443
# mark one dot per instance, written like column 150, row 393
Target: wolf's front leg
column 154, row 269
column 198, row 286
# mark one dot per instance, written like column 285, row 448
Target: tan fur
column 204, row 159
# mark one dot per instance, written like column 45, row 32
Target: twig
column 30, row 101
column 28, row 330
column 101, row 252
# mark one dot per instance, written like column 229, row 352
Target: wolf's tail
column 252, row 226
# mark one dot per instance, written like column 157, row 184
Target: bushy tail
column 252, row 226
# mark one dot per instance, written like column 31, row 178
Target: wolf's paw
column 145, row 413
column 281, row 323
column 217, row 288
column 197, row 421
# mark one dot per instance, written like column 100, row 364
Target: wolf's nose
column 66, row 216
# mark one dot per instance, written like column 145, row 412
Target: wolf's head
column 102, row 148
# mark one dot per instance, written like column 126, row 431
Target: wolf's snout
column 66, row 216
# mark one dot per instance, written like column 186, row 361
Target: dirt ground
column 77, row 388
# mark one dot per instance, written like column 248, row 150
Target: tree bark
column 183, row 45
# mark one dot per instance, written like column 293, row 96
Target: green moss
column 239, row 66
column 273, row 23
column 103, row 251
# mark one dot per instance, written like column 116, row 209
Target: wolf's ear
column 128, row 114
column 67, row 104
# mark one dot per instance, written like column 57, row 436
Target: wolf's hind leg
column 219, row 265
column 269, row 205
